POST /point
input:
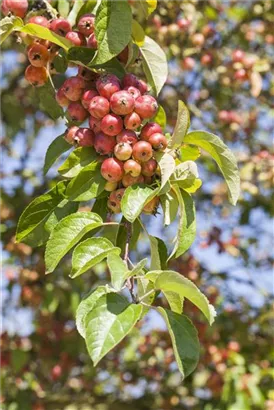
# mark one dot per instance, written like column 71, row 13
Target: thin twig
column 146, row 294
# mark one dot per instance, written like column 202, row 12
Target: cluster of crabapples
column 118, row 113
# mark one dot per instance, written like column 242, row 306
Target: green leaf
column 63, row 8
column 88, row 184
column 81, row 55
column 74, row 11
column 189, row 153
column 42, row 214
column 76, row 161
column 138, row 269
column 86, row 306
column 186, row 176
column 60, row 61
column 170, row 205
column 134, row 199
column 19, row 359
column 46, row 34
column 158, row 253
column 68, row 233
column 187, row 225
column 48, row 102
column 121, row 237
column 184, row 339
column 167, row 165
column 222, row 155
column 137, row 32
column 160, row 117
column 7, row 25
column 100, row 207
column 110, row 320
column 118, row 270
column 87, row 8
column 154, row 64
column 175, row 301
column 55, row 149
column 90, row 252
column 171, row 281
column 112, row 66
column 181, row 126
column 112, row 29
column 145, row 8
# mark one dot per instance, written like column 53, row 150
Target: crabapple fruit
column 128, row 136
column 104, row 144
column 36, row 76
column 112, row 170
column 131, row 80
column 74, row 88
column 38, row 55
column 133, row 91
column 198, row 39
column 146, row 106
column 84, row 137
column 142, row 151
column 86, row 24
column 149, row 129
column 188, row 63
column 158, row 142
column 122, row 151
column 92, row 42
column 40, row 20
column 77, row 112
column 17, row 8
column 122, row 102
column 132, row 121
column 70, row 134
column 114, row 201
column 151, row 206
column 98, row 107
column 87, row 97
column 129, row 180
column 149, row 167
column 132, row 168
column 123, row 56
column 111, row 124
column 107, row 85
column 60, row 97
column 238, row 56
column 76, row 38
column 95, row 124
column 60, row 26
column 111, row 186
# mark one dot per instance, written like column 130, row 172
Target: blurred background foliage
column 220, row 57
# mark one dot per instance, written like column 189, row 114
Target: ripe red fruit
column 38, row 55
column 95, row 124
column 40, row 20
column 114, row 201
column 129, row 180
column 36, row 76
column 76, row 38
column 149, row 167
column 56, row 372
column 132, row 168
column 123, row 56
column 132, row 121
column 224, row 116
column 122, row 151
column 111, row 186
column 92, row 42
column 84, row 137
column 86, row 24
column 132, row 80
column 107, row 85
column 99, row 107
column 151, row 206
column 240, row 75
column 133, row 91
column 146, row 106
column 149, row 129
column 238, row 56
column 104, row 144
column 122, row 102
column 183, row 24
column 206, row 59
column 188, row 63
column 74, row 88
column 111, row 124
column 127, row 136
column 17, row 8
column 60, row 26
column 158, row 142
column 112, row 169
column 70, row 134
column 87, row 97
column 142, row 151
column 77, row 112
column 62, row 100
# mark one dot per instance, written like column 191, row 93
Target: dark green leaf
column 121, row 237
column 112, row 66
column 48, row 103
column 56, row 148
column 60, row 61
column 158, row 253
column 80, row 55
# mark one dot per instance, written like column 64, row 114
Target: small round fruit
column 77, row 112
column 98, row 107
column 149, row 167
column 151, row 206
column 158, row 142
column 146, row 106
column 107, row 85
column 92, row 42
column 122, row 103
column 111, row 186
column 17, row 8
column 127, row 136
column 149, row 129
column 129, row 180
column 87, row 97
column 111, row 124
column 74, row 88
column 123, row 56
column 86, row 24
column 131, row 80
column 132, row 168
column 238, row 56
column 133, row 91
column 36, row 76
column 122, row 151
column 38, row 55
column 60, row 26
column 188, row 63
column 142, row 151
column 114, row 201
column 60, row 97
column 70, row 134
column 132, row 121
column 84, row 137
column 40, row 20
column 76, row 38
column 104, row 144
column 95, row 124
column 198, row 39
column 112, row 170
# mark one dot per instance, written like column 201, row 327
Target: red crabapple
column 128, row 136
column 98, row 107
column 84, row 137
column 17, row 8
column 92, row 42
column 77, row 112
column 70, row 134
column 133, row 91
column 87, row 75
column 104, row 144
column 129, row 180
column 146, row 106
column 142, row 151
column 183, row 24
column 95, row 124
column 107, row 85
column 73, row 88
column 188, row 63
column 149, row 167
column 122, row 151
column 142, row 86
column 206, row 59
column 86, row 24
column 158, row 142
column 112, row 169
column 76, row 38
column 122, row 103
column 131, row 80
column 87, row 97
column 132, row 168
column 149, row 129
column 60, row 97
column 111, row 124
column 40, row 20
column 38, row 55
column 132, row 121
column 36, row 76
column 238, row 56
column 240, row 74
column 224, row 116
column 151, row 206
column 123, row 56
column 60, row 26
column 111, row 186
column 56, row 372
column 114, row 201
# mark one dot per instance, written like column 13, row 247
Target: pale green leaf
column 45, row 34
column 138, row 269
column 7, row 25
column 189, row 152
column 160, row 117
column 170, row 205
column 63, row 8
column 74, row 11
column 167, row 165
column 76, row 161
column 138, row 34
column 186, row 176
column 118, row 270
column 181, row 127
column 175, row 301
column 134, row 200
